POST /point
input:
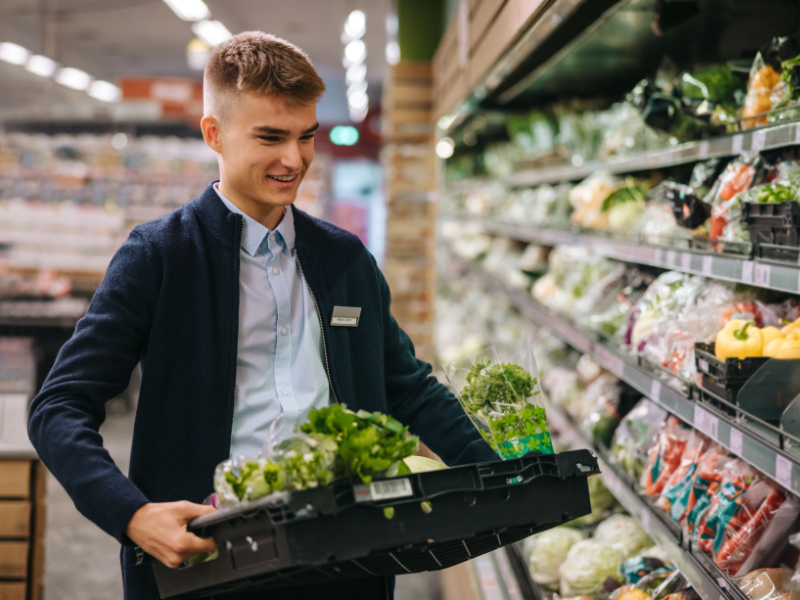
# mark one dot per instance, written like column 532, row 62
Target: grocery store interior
column 588, row 214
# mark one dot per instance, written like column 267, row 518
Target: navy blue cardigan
column 170, row 300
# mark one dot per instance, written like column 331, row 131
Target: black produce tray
column 774, row 230
column 689, row 210
column 724, row 379
column 340, row 531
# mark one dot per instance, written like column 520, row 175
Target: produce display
column 742, row 339
column 334, row 443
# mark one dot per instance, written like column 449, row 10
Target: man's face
column 265, row 149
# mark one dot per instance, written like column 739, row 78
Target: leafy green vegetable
column 718, row 84
column 498, row 396
column 632, row 192
column 790, row 75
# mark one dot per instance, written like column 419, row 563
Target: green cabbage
column 622, row 533
column 547, row 551
column 601, row 501
column 587, row 566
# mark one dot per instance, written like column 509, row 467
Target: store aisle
column 82, row 562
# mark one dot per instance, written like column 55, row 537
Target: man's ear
column 211, row 132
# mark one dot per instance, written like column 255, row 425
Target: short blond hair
column 254, row 61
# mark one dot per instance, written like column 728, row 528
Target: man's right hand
column 159, row 528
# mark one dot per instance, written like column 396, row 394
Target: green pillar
column 420, row 25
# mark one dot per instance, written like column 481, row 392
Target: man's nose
column 292, row 158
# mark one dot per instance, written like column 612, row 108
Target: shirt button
column 276, row 271
column 286, row 392
column 272, row 238
column 284, row 331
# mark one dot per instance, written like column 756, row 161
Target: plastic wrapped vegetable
column 637, row 567
column 665, row 456
column 504, row 401
column 635, row 435
column 705, row 486
column 587, row 567
column 768, row 584
column 240, row 479
column 602, row 501
column 765, row 92
column 547, row 551
column 675, row 498
column 622, row 533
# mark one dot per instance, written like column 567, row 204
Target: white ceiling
column 113, row 38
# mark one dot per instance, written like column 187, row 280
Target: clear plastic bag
column 664, row 456
column 504, row 400
column 635, row 435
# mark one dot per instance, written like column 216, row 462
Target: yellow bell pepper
column 787, row 329
column 774, row 347
column 739, row 339
column 789, row 349
column 771, row 333
column 794, row 334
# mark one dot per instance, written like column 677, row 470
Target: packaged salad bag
column 504, row 400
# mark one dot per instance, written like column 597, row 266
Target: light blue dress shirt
column 280, row 370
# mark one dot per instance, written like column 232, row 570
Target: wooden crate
column 22, row 529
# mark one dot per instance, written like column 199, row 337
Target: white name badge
column 346, row 316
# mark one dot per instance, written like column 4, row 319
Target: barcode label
column 759, row 140
column 736, row 442
column 747, row 271
column 762, row 275
column 672, row 259
column 783, row 471
column 702, row 150
column 686, row 261
column 655, row 389
column 705, row 422
column 391, row 488
column 708, row 263
column 737, row 143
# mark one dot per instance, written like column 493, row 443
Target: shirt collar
column 255, row 233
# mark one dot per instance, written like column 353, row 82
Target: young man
column 228, row 305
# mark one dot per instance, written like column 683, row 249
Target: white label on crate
column 702, row 150
column 391, row 488
column 747, row 271
column 708, row 263
column 736, row 442
column 655, row 389
column 703, row 364
column 759, row 140
column 762, row 275
column 783, row 471
column 736, row 144
column 672, row 258
column 659, row 256
column 686, row 261
column 706, row 422
column 646, row 520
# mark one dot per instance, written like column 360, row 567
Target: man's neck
column 269, row 216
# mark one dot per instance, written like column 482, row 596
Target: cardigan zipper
column 321, row 326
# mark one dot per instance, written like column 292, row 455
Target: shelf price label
column 658, row 256
column 747, row 271
column 702, row 150
column 759, row 140
column 686, row 261
column 672, row 258
column 655, row 389
column 783, row 471
column 705, row 422
column 646, row 520
column 736, row 442
column 797, row 134
column 762, row 274
column 737, row 143
column 708, row 263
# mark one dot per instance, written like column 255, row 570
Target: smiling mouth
column 283, row 178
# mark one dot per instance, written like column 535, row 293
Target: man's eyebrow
column 264, row 129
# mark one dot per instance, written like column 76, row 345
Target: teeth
column 285, row 178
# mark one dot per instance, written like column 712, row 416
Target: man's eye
column 308, row 137
column 269, row 138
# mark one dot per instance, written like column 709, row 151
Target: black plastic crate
column 774, row 230
column 689, row 210
column 724, row 379
column 340, row 531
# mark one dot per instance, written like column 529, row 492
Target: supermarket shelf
column 766, row 450
column 765, row 138
column 705, row 577
column 781, row 277
column 495, row 577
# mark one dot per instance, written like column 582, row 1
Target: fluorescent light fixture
column 344, row 135
column 391, row 25
column 41, row 65
column 359, row 87
column 356, row 25
column 445, row 147
column 211, row 32
column 358, row 114
column 189, row 10
column 197, row 54
column 356, row 73
column 73, row 78
column 104, row 91
column 392, row 53
column 357, row 100
column 355, row 51
column 14, row 54
column 445, row 121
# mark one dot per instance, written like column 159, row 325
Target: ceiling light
column 445, row 147
column 211, row 32
column 189, row 10
column 41, row 65
column 358, row 100
column 445, row 121
column 391, row 25
column 120, row 141
column 358, row 114
column 392, row 53
column 356, row 24
column 355, row 51
column 102, row 90
column 73, row 78
column 356, row 73
column 14, row 54
column 344, row 135
column 197, row 54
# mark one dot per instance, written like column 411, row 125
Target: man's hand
column 159, row 528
